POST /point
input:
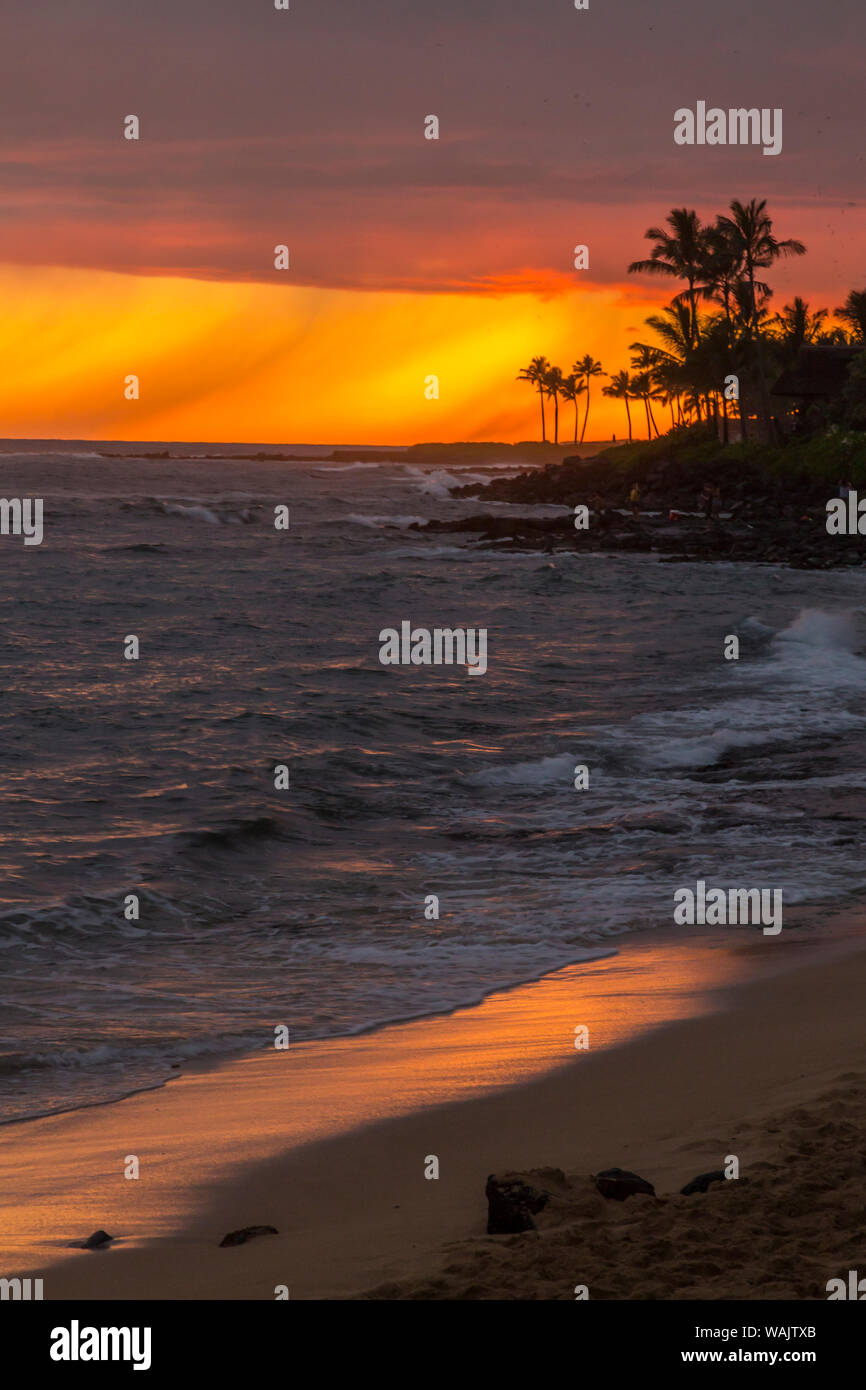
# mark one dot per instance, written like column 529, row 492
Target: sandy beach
column 699, row 1048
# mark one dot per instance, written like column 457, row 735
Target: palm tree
column 796, row 326
column 553, row 380
column 535, row 374
column 680, row 253
column 723, row 270
column 749, row 230
column 571, row 389
column 585, row 370
column 620, row 389
column 853, row 314
column 672, row 325
column 641, row 384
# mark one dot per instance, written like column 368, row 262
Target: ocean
column 308, row 908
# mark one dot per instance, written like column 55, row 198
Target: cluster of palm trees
column 552, row 385
column 715, row 329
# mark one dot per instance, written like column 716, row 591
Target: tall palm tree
column 750, row 232
column 641, row 384
column 653, row 368
column 572, row 388
column 553, row 380
column 535, row 374
column 620, row 389
column 585, row 370
column 680, row 253
column 723, row 269
column 853, row 314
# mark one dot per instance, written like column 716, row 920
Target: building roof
column 818, row 371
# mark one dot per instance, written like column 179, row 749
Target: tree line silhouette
column 716, row 327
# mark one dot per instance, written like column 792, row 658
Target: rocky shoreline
column 762, row 521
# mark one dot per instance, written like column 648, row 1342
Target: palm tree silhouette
column 620, row 389
column 571, row 389
column 749, row 230
column 585, row 369
column 796, row 326
column 553, row 380
column 853, row 314
column 681, row 253
column 641, row 386
column 535, row 373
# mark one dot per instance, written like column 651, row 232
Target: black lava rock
column 247, row 1233
column 701, row 1182
column 619, row 1183
column 97, row 1240
column 511, row 1205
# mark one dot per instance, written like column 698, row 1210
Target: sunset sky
column 409, row 257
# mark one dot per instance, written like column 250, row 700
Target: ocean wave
column 381, row 523
column 439, row 483
column 539, row 773
column 347, row 468
column 211, row 512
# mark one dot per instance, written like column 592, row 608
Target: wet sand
column 697, row 1046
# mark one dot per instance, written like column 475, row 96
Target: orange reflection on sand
column 62, row 1176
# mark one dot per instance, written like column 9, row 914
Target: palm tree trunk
column 586, row 415
column 628, row 413
column 649, row 433
column 576, row 412
column 543, row 433
column 762, row 377
column 555, row 418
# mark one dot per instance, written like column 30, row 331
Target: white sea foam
column 192, row 513
column 380, row 523
column 347, row 467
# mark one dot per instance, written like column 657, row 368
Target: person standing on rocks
column 707, row 500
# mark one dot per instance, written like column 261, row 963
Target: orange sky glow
column 152, row 252
column 245, row 361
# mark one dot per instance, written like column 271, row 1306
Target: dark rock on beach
column 701, row 1182
column 97, row 1241
column 247, row 1233
column 619, row 1183
column 511, row 1205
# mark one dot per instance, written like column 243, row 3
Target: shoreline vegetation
column 719, row 365
column 768, row 418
